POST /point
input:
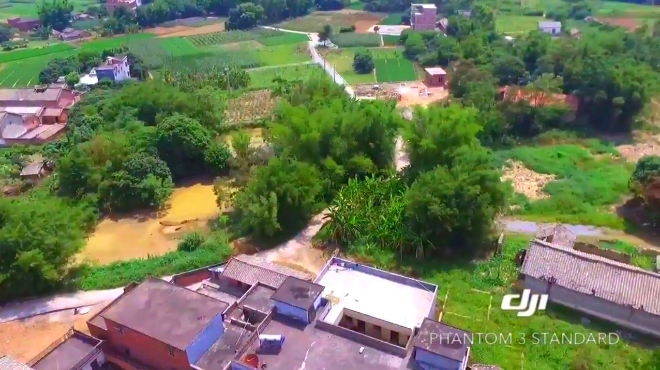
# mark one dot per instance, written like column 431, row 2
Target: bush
column 122, row 273
column 349, row 40
column 191, row 242
column 347, row 29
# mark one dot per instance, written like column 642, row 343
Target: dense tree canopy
column 55, row 14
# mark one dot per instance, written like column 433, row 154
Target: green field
column 391, row 20
column 28, row 8
column 21, row 68
column 178, row 46
column 516, row 23
column 262, row 78
column 391, row 66
column 342, row 61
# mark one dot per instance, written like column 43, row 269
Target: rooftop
column 32, row 169
column 424, row 6
column 166, row 312
column 549, row 24
column 435, row 71
column 298, row 293
column 65, row 356
column 8, row 363
column 222, row 293
column 313, row 348
column 224, row 349
column 386, row 296
column 443, row 340
column 259, row 298
column 49, row 94
column 594, row 275
column 251, row 269
column 23, row 110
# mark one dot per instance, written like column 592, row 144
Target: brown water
column 141, row 235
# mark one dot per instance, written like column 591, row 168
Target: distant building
column 423, row 17
column 111, row 5
column 435, row 77
column 24, row 24
column 70, row 34
column 553, row 28
column 114, row 69
column 620, row 293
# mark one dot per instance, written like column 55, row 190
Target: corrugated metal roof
column 594, row 275
column 8, row 363
column 53, row 112
column 549, row 24
column 435, row 71
column 35, row 132
column 250, row 269
column 23, row 110
column 32, row 169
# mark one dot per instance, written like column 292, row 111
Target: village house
column 70, row 34
column 553, row 28
column 24, row 24
column 115, row 69
column 423, row 17
column 250, row 314
column 34, row 116
column 111, row 5
column 435, row 77
column 597, row 286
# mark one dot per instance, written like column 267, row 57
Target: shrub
column 191, row 241
column 347, row 29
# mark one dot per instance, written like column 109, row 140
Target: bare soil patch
column 192, row 31
column 526, row 181
column 336, row 19
column 365, row 26
column 25, row 339
column 407, row 94
column 251, row 106
column 627, row 23
column 634, row 152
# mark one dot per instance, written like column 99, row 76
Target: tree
column 216, row 156
column 363, row 62
column 280, row 198
column 325, row 33
column 55, row 14
column 182, row 143
column 244, row 16
column 72, row 79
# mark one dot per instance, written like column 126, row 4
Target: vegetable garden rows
column 265, row 36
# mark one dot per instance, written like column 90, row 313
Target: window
column 120, row 330
column 394, row 337
column 377, row 328
column 361, row 326
column 172, row 353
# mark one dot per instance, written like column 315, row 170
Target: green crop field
column 263, row 77
column 21, row 68
column 350, row 40
column 178, row 46
column 391, row 20
column 394, row 70
column 229, row 37
column 287, row 39
column 28, row 8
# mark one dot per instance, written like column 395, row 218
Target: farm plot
column 286, row 39
column 251, row 106
column 22, row 73
column 336, row 19
column 212, row 61
column 219, row 38
column 177, row 46
column 262, row 78
column 342, row 61
column 113, row 42
column 10, row 56
column 349, row 40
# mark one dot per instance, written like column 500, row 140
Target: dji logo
column 529, row 303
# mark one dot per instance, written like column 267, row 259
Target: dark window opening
column 361, row 326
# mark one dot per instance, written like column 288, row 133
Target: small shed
column 553, row 28
column 435, row 77
column 34, row 171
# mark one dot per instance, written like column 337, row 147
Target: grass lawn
column 342, row 61
column 390, row 40
column 391, row 66
column 471, row 293
column 283, row 54
column 263, row 78
column 586, row 188
column 516, row 23
column 391, row 20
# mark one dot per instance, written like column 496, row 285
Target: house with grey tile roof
column 597, row 286
column 9, row 363
column 248, row 270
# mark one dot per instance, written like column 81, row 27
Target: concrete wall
column 239, row 366
column 361, row 338
column 206, row 338
column 100, row 359
column 293, row 312
column 619, row 314
column 430, row 361
column 144, row 349
column 609, row 254
column 378, row 328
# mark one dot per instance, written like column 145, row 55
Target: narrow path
column 279, row 66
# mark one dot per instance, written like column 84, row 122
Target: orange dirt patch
column 25, row 339
column 627, row 23
column 192, row 31
column 365, row 26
